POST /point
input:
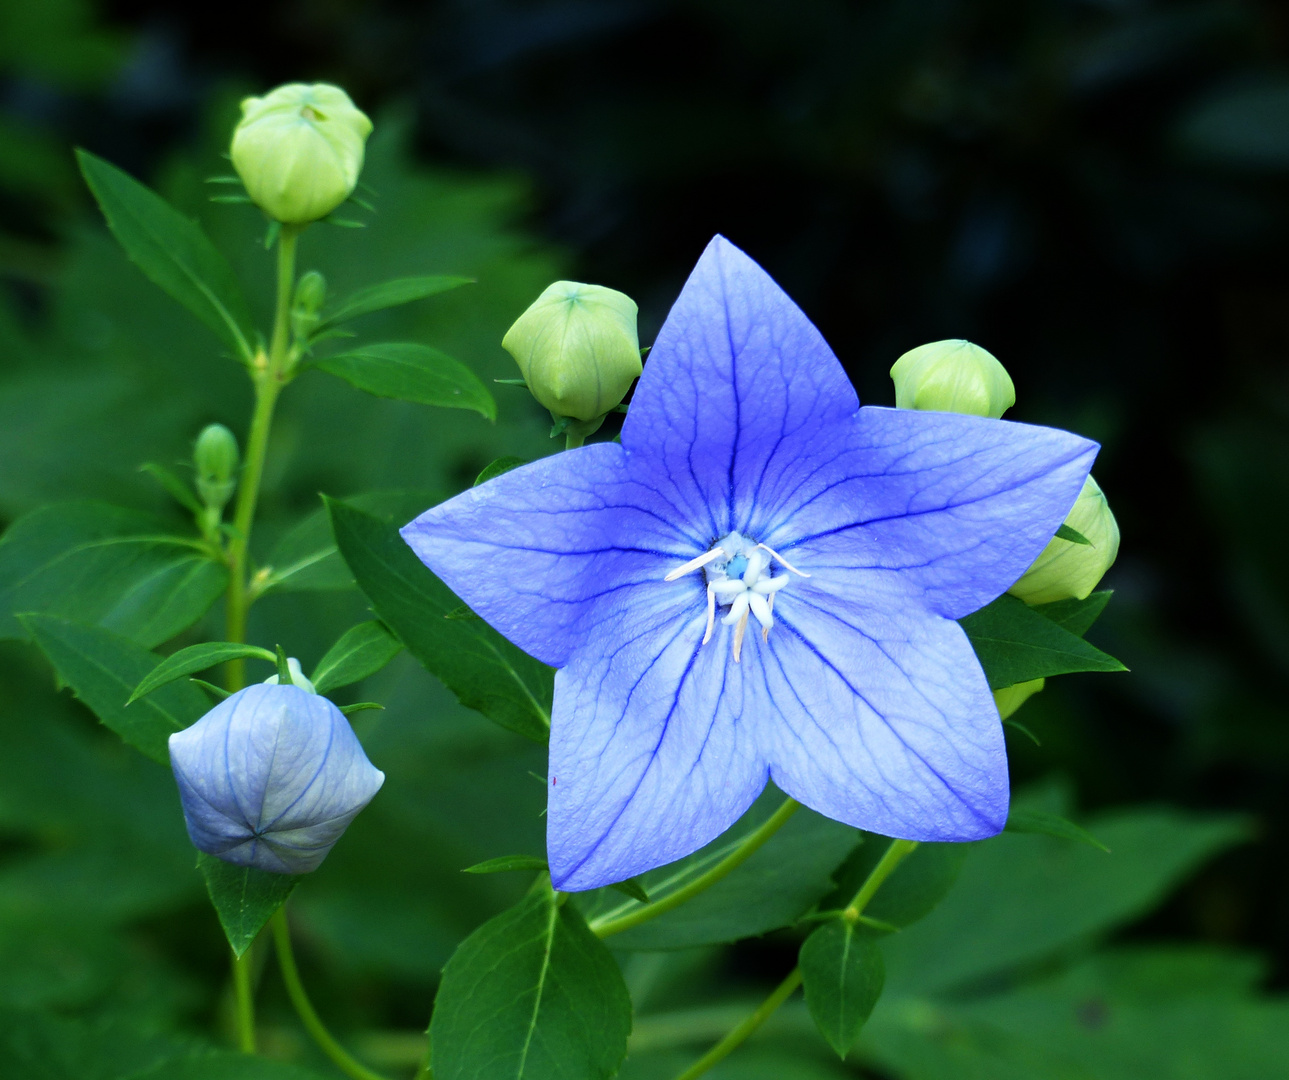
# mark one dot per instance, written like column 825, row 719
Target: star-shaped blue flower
column 760, row 583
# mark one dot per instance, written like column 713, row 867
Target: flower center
column 742, row 580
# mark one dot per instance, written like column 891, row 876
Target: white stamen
column 738, row 610
column 759, row 608
column 784, row 561
column 729, row 588
column 739, row 631
column 711, row 614
column 695, row 564
column 770, row 586
column 756, row 563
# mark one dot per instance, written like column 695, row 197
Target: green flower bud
column 297, row 676
column 577, row 348
column 310, row 295
column 215, row 456
column 1011, row 698
column 299, row 150
column 1067, row 570
column 953, row 376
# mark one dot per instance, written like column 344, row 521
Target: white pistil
column 786, row 565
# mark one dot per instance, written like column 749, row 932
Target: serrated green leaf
column 102, row 668
column 1036, row 821
column 1072, row 535
column 100, row 564
column 192, row 659
column 842, row 973
column 244, row 897
column 1076, row 616
column 172, row 251
column 1014, row 644
column 483, row 669
column 531, row 995
column 362, row 651
column 407, row 371
column 506, row 862
column 391, row 294
column 497, row 468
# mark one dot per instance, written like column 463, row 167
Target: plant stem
column 308, row 1016
column 894, row 855
column 740, row 1034
column 607, row 925
column 245, row 1002
column 572, row 441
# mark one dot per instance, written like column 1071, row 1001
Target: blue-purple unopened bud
column 271, row 777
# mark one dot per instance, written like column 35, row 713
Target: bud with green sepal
column 1011, row 698
column 953, row 376
column 579, row 352
column 215, row 457
column 306, row 306
column 299, row 150
column 1068, row 568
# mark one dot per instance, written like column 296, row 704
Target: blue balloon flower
column 271, row 777
column 760, row 583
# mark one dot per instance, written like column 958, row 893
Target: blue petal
column 653, row 747
column 885, row 719
column 539, row 550
column 739, row 390
column 955, row 507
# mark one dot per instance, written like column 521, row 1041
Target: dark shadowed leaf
column 1076, row 616
column 917, row 885
column 1037, row 821
column 842, row 974
column 390, row 294
column 244, row 897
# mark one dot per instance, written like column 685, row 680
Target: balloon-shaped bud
column 215, row 456
column 297, row 676
column 577, row 348
column 306, row 307
column 271, row 777
column 1011, row 698
column 299, row 150
column 1066, row 569
column 953, row 376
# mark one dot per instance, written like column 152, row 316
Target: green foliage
column 1076, row 616
column 1065, row 532
column 193, row 659
column 922, row 879
column 1015, row 644
column 173, row 252
column 1037, row 821
column 407, row 371
column 101, row 564
column 507, row 862
column 103, row 669
column 390, row 294
column 842, row 974
column 244, row 898
column 531, row 995
column 483, row 669
column 361, row 652
column 497, row 468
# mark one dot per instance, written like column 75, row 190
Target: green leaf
column 1072, row 535
column 1076, row 616
column 361, row 706
column 507, row 862
column 920, row 882
column 531, row 995
column 1036, row 821
column 102, row 668
column 631, row 887
column 410, row 372
column 244, row 897
column 842, row 973
column 101, row 564
column 195, row 658
column 391, row 294
column 177, row 489
column 172, row 251
column 483, row 669
column 497, row 468
column 362, row 651
column 1015, row 644
column 774, row 888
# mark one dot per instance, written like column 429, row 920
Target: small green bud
column 215, row 457
column 1067, row 570
column 299, row 150
column 310, row 295
column 1011, row 698
column 297, row 676
column 953, row 376
column 577, row 348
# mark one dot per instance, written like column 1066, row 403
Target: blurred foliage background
column 1095, row 190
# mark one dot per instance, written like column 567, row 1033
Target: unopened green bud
column 953, row 376
column 306, row 308
column 1069, row 570
column 577, row 348
column 299, row 150
column 215, row 457
column 1011, row 698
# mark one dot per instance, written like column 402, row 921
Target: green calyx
column 1067, row 569
column 953, row 376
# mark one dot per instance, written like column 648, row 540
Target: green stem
column 894, row 855
column 308, row 1016
column 607, row 925
column 573, row 441
column 245, row 1002
column 740, row 1034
